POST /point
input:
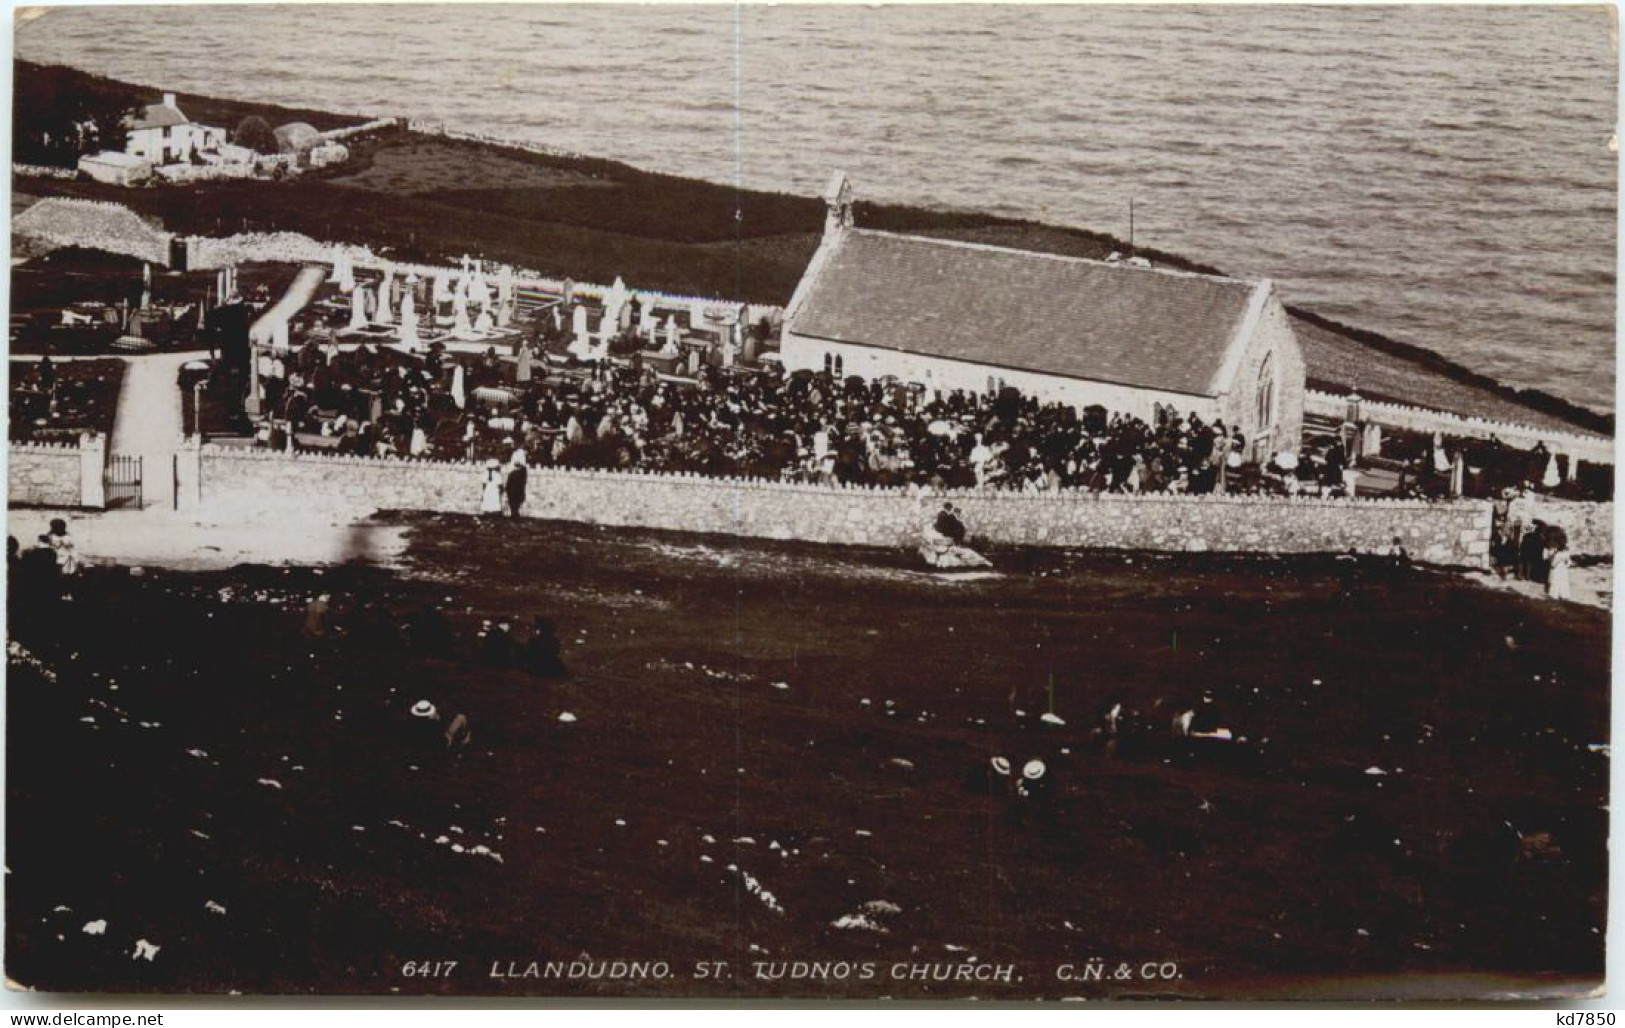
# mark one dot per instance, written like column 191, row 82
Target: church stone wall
column 1272, row 338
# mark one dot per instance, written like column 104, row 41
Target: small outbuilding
column 115, row 168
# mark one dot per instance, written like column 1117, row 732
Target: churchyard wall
column 57, row 475
column 1590, row 526
column 226, row 485
column 1594, row 448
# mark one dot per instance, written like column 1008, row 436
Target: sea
column 1446, row 175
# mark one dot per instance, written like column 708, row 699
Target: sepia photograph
column 811, row 502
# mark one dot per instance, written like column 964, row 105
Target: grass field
column 816, row 720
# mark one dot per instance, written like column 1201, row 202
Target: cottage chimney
column 169, row 99
column 838, row 198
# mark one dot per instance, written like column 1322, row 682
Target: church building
column 1121, row 335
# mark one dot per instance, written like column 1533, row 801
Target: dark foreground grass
column 814, row 719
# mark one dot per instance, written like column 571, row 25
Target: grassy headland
column 737, row 705
column 591, row 219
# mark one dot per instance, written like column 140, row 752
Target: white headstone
column 461, row 328
column 383, row 315
column 358, row 308
column 409, row 318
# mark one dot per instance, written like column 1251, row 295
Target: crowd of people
column 802, row 427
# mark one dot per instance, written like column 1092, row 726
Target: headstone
column 461, row 328
column 409, row 318
column 358, row 308
column 505, row 296
column 384, row 315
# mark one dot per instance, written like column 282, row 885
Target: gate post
column 92, row 465
column 188, row 460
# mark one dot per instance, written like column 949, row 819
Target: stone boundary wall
column 339, row 134
column 228, row 484
column 1590, row 526
column 206, row 172
column 43, row 171
column 1594, row 448
column 57, row 475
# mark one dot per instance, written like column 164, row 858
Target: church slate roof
column 1017, row 309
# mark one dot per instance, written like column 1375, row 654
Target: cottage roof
column 1144, row 327
column 160, row 115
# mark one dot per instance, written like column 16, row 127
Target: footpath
column 148, row 422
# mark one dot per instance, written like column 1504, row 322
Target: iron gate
column 121, row 482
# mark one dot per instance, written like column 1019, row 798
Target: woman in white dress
column 491, row 493
column 1557, row 578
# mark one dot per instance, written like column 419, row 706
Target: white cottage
column 161, row 134
column 955, row 315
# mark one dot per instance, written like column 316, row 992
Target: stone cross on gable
column 838, row 197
